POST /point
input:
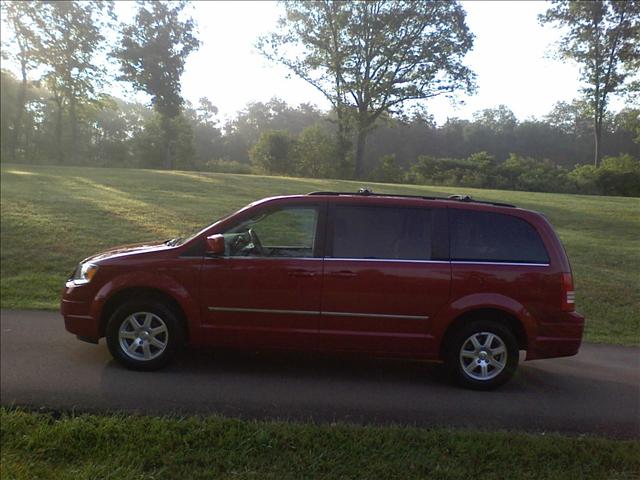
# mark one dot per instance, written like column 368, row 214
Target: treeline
column 618, row 175
column 312, row 154
column 494, row 150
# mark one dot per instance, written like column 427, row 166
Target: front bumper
column 560, row 338
column 75, row 307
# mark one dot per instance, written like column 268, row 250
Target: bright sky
column 509, row 57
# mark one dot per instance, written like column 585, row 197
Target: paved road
column 596, row 392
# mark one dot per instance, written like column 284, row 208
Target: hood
column 127, row 250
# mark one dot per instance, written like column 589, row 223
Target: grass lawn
column 52, row 217
column 88, row 446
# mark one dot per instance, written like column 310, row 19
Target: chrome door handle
column 301, row 273
column 343, row 273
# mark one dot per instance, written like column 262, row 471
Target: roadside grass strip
column 48, row 446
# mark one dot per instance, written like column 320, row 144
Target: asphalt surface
column 596, row 392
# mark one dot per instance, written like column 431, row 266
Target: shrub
column 584, row 179
column 388, row 170
column 619, row 176
column 316, row 153
column 523, row 173
column 273, row 153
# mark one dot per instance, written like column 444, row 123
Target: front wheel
column 143, row 335
column 482, row 355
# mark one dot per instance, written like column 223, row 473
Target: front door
column 386, row 277
column 265, row 290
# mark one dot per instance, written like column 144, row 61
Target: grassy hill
column 52, row 217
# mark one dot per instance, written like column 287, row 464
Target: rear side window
column 382, row 232
column 494, row 237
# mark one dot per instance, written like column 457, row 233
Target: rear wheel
column 482, row 355
column 143, row 334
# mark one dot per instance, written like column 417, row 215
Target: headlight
column 84, row 273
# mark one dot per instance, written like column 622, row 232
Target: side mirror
column 215, row 244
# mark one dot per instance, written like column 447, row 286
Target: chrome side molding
column 316, row 313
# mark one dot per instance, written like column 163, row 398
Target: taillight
column 568, row 293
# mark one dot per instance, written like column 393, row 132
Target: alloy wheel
column 483, row 356
column 143, row 336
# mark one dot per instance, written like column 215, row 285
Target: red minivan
column 454, row 280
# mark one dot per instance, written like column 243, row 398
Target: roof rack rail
column 365, row 191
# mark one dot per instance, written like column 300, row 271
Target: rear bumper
column 560, row 338
column 77, row 316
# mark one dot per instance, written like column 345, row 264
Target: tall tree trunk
column 17, row 126
column 73, row 151
column 167, row 130
column 58, row 130
column 167, row 163
column 597, row 136
column 343, row 144
column 28, row 132
column 597, row 104
column 360, row 148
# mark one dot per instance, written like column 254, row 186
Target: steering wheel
column 257, row 244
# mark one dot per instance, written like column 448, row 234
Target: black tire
column 494, row 374
column 160, row 314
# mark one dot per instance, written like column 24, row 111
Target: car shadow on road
column 367, row 390
column 205, row 362
column 202, row 365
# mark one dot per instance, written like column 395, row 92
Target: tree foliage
column 316, row 153
column 63, row 38
column 152, row 55
column 72, row 37
column 372, row 57
column 19, row 17
column 153, row 52
column 273, row 153
column 388, row 170
column 603, row 37
column 243, row 131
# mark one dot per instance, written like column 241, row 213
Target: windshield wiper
column 172, row 242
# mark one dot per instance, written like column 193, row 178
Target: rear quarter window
column 494, row 237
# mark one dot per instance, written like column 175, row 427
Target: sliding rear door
column 385, row 276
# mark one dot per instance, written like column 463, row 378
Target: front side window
column 382, row 233
column 286, row 232
column 494, row 237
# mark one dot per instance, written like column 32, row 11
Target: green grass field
column 52, row 217
column 118, row 447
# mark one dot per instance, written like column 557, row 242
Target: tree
column 244, row 130
column 20, row 19
column 627, row 120
column 500, row 119
column 371, row 57
column 72, row 37
column 388, row 170
column 570, row 118
column 316, row 152
column 115, row 126
column 152, row 55
column 604, row 38
column 9, row 87
column 206, row 134
column 150, row 144
column 273, row 153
